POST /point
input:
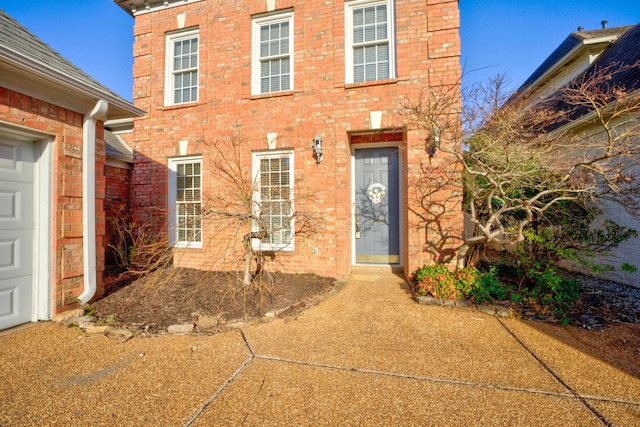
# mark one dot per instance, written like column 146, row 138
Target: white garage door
column 16, row 231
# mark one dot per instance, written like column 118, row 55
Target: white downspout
column 99, row 112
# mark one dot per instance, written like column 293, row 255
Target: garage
column 52, row 181
column 16, row 230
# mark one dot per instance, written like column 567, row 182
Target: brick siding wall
column 427, row 55
column 116, row 204
column 65, row 128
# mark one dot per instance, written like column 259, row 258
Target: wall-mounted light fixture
column 432, row 142
column 317, row 149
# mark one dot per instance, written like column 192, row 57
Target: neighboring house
column 52, row 182
column 281, row 76
column 577, row 57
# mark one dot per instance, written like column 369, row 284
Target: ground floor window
column 185, row 201
column 273, row 198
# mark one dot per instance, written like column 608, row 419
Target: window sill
column 179, row 106
column 193, row 247
column 272, row 249
column 370, row 83
column 272, row 95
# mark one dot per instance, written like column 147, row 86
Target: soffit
column 139, row 7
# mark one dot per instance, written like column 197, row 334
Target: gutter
column 70, row 82
column 99, row 112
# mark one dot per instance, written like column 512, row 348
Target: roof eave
column 589, row 119
column 140, row 7
column 569, row 57
column 121, row 157
column 118, row 107
column 123, row 7
column 120, row 125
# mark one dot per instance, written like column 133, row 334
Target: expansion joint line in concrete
column 215, row 395
column 417, row 377
column 571, row 395
column 558, row 378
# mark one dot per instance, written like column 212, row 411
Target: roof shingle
column 15, row 37
column 574, row 39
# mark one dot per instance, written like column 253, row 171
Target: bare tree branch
column 522, row 160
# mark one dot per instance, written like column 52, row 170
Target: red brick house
column 311, row 92
column 52, row 182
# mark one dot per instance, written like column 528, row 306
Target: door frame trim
column 41, row 307
column 42, row 304
column 364, row 146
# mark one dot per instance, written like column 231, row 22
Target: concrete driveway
column 366, row 356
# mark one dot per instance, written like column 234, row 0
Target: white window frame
column 256, row 158
column 349, row 7
column 173, row 202
column 170, row 72
column 256, row 60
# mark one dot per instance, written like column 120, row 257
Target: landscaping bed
column 600, row 302
column 181, row 295
column 174, row 296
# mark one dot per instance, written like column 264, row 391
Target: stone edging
column 204, row 325
column 490, row 309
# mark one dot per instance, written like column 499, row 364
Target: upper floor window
column 369, row 41
column 181, row 84
column 272, row 58
column 185, row 201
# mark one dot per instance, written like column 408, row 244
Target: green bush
column 487, row 288
column 548, row 289
column 541, row 288
column 437, row 281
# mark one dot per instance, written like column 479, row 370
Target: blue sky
column 498, row 36
column 96, row 35
column 515, row 36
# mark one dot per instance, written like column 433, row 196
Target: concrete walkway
column 366, row 356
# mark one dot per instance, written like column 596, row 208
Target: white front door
column 16, row 230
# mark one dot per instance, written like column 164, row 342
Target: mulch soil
column 182, row 295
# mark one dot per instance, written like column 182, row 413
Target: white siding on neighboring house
column 628, row 251
column 579, row 58
column 568, row 73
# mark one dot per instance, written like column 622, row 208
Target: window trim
column 257, row 22
column 256, row 156
column 169, row 70
column 173, row 203
column 349, row 7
